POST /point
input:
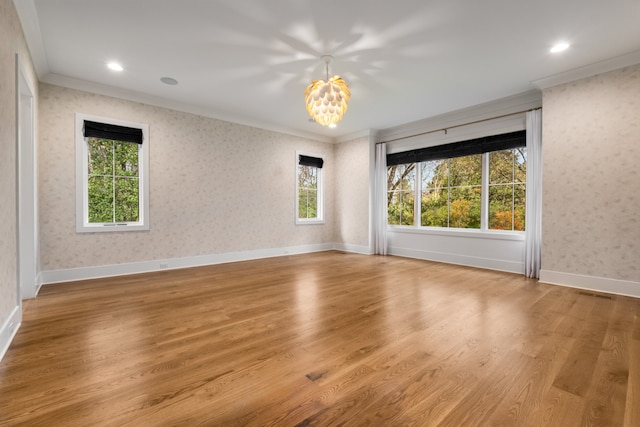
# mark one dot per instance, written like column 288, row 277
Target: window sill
column 309, row 221
column 101, row 228
column 458, row 232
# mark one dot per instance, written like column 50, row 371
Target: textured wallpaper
column 11, row 42
column 352, row 192
column 591, row 181
column 215, row 186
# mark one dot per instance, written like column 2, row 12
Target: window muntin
column 309, row 199
column 111, row 177
column 451, row 192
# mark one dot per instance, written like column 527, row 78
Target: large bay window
column 477, row 184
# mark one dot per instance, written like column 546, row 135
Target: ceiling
column 249, row 61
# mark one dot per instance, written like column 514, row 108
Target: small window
column 112, row 175
column 309, row 198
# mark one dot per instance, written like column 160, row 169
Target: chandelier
column 327, row 99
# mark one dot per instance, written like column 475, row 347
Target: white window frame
column 320, row 207
column 82, row 179
column 484, row 208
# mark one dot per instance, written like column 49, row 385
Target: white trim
column 27, row 184
column 30, row 22
column 458, row 232
column 82, row 224
column 83, row 273
column 356, row 249
column 9, row 330
column 592, row 283
column 589, row 70
column 465, row 260
column 488, row 110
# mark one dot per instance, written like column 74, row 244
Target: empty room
column 292, row 213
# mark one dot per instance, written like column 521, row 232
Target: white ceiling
column 249, row 61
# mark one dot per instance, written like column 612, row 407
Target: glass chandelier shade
column 327, row 99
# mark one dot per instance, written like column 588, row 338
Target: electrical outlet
column 164, row 265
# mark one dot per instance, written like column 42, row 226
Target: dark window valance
column 459, row 149
column 114, row 132
column 310, row 161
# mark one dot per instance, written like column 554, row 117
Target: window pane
column 501, row 167
column 307, row 203
column 100, row 199
column 400, row 194
column 302, row 203
column 100, row 161
column 464, row 208
column 127, row 200
column 501, row 207
column 307, row 176
column 465, row 170
column 126, row 158
column 435, row 209
column 312, row 203
column 519, row 206
column 435, row 174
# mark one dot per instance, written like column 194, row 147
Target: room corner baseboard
column 592, row 283
column 9, row 330
column 356, row 249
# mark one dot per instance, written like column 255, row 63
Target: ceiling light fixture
column 559, row 47
column 115, row 66
column 327, row 99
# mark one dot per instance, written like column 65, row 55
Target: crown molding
column 28, row 16
column 129, row 95
column 588, row 70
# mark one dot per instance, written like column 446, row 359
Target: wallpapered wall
column 591, row 182
column 215, row 186
column 352, row 192
column 11, row 42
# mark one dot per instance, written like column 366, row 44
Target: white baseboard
column 9, row 330
column 357, row 249
column 84, row 273
column 469, row 261
column 592, row 283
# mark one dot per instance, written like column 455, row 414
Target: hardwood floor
column 323, row 339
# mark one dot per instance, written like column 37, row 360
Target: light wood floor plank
column 323, row 339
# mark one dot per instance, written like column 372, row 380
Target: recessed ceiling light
column 169, row 81
column 559, row 47
column 332, row 125
column 115, row 66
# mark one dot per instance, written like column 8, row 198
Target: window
column 477, row 184
column 112, row 175
column 309, row 206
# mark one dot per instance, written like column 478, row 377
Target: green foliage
column 113, row 188
column 307, row 192
column 401, row 193
column 451, row 191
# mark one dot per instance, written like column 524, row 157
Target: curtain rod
column 457, row 126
